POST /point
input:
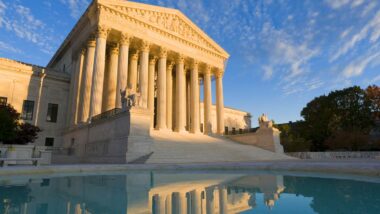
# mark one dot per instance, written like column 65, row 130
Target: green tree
column 12, row 131
column 347, row 110
column 8, row 123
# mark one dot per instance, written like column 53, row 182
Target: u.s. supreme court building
column 156, row 54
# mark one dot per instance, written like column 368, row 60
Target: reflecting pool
column 187, row 192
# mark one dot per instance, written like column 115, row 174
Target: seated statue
column 265, row 122
column 129, row 98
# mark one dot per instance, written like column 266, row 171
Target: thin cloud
column 76, row 7
column 9, row 48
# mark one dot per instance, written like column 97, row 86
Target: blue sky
column 283, row 52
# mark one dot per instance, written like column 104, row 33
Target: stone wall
column 335, row 155
column 20, row 81
column 121, row 138
column 233, row 118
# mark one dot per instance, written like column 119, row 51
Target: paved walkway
column 189, row 148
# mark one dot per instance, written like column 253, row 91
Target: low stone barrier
column 335, row 155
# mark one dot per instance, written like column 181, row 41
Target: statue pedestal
column 139, row 141
column 121, row 138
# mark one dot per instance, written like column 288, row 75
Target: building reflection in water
column 157, row 193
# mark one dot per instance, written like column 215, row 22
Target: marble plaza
column 127, row 73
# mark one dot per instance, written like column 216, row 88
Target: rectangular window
column 27, row 110
column 3, row 100
column 52, row 113
column 49, row 141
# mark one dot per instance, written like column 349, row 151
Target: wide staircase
column 171, row 147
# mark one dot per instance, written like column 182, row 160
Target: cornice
column 131, row 15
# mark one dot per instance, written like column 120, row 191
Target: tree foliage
column 12, row 131
column 341, row 120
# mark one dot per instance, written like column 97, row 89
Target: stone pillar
column 169, row 96
column 222, row 200
column 76, row 84
column 86, row 82
column 219, row 102
column 122, row 74
column 194, row 101
column 151, row 71
column 197, row 201
column 143, row 80
column 161, row 90
column 210, row 202
column 110, row 80
column 180, row 95
column 99, row 67
column 168, row 202
column 132, row 80
column 182, row 202
column 207, row 100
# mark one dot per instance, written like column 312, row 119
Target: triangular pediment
column 170, row 20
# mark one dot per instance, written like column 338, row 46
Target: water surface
column 187, row 192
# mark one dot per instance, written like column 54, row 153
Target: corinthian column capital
column 170, row 65
column 180, row 58
column 152, row 60
column 125, row 39
column 134, row 55
column 163, row 53
column 91, row 42
column 208, row 69
column 102, row 31
column 114, row 49
column 144, row 46
column 194, row 64
column 219, row 73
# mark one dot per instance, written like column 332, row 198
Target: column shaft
column 143, row 80
column 122, row 75
column 219, row 102
column 110, row 80
column 78, row 87
column 151, row 71
column 161, row 91
column 169, row 96
column 132, row 80
column 207, row 101
column 98, row 77
column 194, row 101
column 71, row 110
column 180, row 95
column 87, row 82
column 223, row 200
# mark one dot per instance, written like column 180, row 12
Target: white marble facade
column 155, row 52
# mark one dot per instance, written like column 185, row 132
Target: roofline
column 172, row 10
column 68, row 37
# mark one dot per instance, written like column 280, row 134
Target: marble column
column 169, row 95
column 99, row 67
column 151, row 76
column 197, row 201
column 143, row 80
column 223, row 200
column 132, row 80
column 180, row 95
column 182, row 202
column 110, row 80
column 122, row 74
column 207, row 101
column 168, row 202
column 194, row 101
column 87, row 81
column 78, row 84
column 210, row 201
column 219, row 102
column 161, row 90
